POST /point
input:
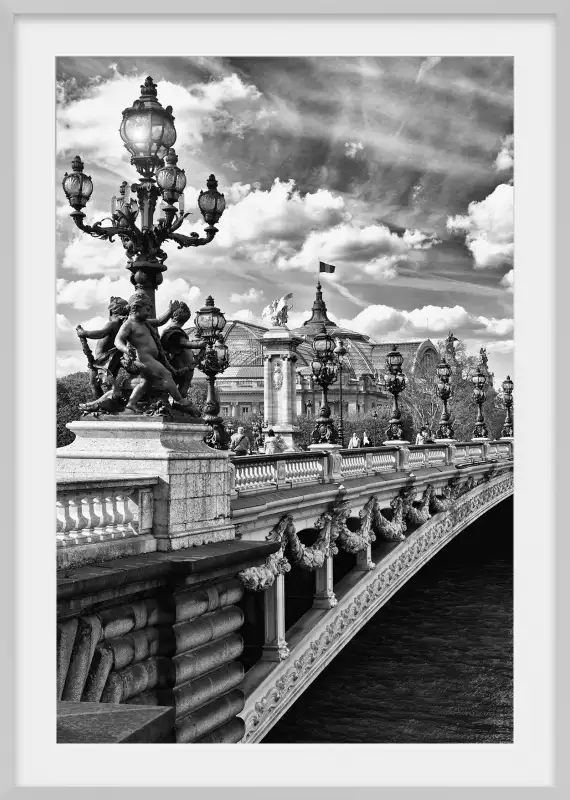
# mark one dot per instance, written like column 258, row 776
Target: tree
column 70, row 391
column 421, row 401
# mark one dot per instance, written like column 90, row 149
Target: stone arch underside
column 357, row 603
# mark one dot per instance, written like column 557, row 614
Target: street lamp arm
column 108, row 232
column 194, row 240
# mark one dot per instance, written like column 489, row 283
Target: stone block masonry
column 175, row 646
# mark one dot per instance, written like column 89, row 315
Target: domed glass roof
column 363, row 356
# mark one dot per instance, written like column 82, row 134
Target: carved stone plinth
column 192, row 497
column 335, row 459
column 279, row 382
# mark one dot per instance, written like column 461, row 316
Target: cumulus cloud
column 383, row 322
column 505, row 157
column 251, row 296
column 352, row 148
column 94, row 293
column 373, row 249
column 488, row 228
column 279, row 214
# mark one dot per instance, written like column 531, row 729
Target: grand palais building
column 240, row 387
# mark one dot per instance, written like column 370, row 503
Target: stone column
column 275, row 647
column 324, row 586
column 279, row 384
column 192, row 498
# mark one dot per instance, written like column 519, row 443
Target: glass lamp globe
column 77, row 186
column 222, row 353
column 323, row 344
column 211, row 203
column 170, row 178
column 478, row 379
column 209, row 320
column 508, row 385
column 394, row 359
column 147, row 129
column 443, row 369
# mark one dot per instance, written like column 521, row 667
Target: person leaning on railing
column 239, row 443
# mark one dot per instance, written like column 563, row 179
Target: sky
column 399, row 171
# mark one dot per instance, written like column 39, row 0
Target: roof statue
column 276, row 312
column 450, row 346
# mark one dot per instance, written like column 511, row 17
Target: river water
column 434, row 665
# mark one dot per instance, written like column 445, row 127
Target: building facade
column 240, row 387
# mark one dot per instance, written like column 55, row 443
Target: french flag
column 326, row 267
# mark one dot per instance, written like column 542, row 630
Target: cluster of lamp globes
column 148, row 132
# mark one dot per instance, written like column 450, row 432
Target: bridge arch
column 358, row 600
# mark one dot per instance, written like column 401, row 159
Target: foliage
column 197, row 393
column 353, row 423
column 71, row 390
column 421, row 402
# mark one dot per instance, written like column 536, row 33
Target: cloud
column 66, row 363
column 247, row 315
column 279, row 215
column 94, row 293
column 383, row 322
column 352, row 148
column 251, row 296
column 505, row 157
column 488, row 228
column 88, row 119
column 373, row 250
column 428, row 63
column 66, row 337
column 508, row 280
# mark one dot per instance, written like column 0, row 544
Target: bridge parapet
column 93, row 513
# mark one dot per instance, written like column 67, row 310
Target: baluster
column 78, row 521
column 61, row 521
column 92, row 518
column 102, row 517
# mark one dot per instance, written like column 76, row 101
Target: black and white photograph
column 285, row 399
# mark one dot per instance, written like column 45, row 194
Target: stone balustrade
column 370, row 460
column 281, row 470
column 91, row 511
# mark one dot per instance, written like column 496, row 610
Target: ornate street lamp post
column 375, row 418
column 479, row 379
column 340, row 352
column 508, row 386
column 148, row 133
column 444, row 390
column 210, row 322
column 325, row 373
column 395, row 382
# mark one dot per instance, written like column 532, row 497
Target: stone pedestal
column 192, row 497
column 279, row 384
column 335, row 459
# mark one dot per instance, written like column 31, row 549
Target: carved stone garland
column 333, row 530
